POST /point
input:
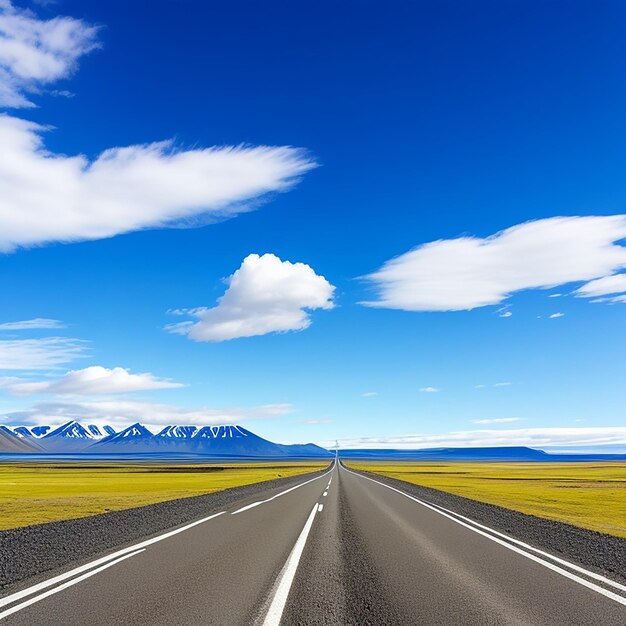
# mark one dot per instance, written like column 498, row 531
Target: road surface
column 338, row 549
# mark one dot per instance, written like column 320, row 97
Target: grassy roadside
column 37, row 493
column 590, row 495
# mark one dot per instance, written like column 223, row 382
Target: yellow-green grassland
column 590, row 495
column 37, row 493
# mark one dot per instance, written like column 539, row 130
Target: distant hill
column 173, row 440
column 503, row 453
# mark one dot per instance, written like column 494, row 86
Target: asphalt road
column 337, row 549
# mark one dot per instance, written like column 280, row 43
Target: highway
column 341, row 548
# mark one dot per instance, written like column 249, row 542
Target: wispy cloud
column 34, row 324
column 498, row 420
column 609, row 285
column 265, row 295
column 429, row 390
column 56, row 198
column 94, row 380
column 121, row 413
column 40, row 354
column 318, row 421
column 556, row 315
column 531, row 437
column 35, row 52
column 469, row 272
column 369, row 394
column 505, row 383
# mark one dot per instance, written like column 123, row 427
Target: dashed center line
column 278, row 495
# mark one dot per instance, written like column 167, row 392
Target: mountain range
column 235, row 441
column 76, row 438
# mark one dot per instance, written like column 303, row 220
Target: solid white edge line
column 557, row 559
column 61, row 577
column 527, row 546
column 282, row 493
column 532, row 557
column 69, row 583
column 279, row 600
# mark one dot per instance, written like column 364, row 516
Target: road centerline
column 278, row 495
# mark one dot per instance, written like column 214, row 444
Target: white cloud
column 35, row 52
column 34, row 324
column 555, row 295
column 498, row 420
column 369, row 394
column 265, row 295
column 506, row 314
column 39, row 354
column 94, row 380
column 603, row 286
column 531, row 437
column 429, row 390
column 318, row 422
column 56, row 198
column 503, row 384
column 469, row 272
column 121, row 413
column 556, row 315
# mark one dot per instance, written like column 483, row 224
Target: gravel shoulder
column 604, row 554
column 28, row 553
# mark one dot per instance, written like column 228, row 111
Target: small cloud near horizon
column 498, row 420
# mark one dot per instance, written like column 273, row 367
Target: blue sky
column 361, row 131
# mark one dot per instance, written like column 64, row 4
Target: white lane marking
column 568, row 564
column 285, row 580
column 278, row 495
column 532, row 557
column 61, row 577
column 527, row 546
column 320, row 508
column 69, row 583
column 325, row 493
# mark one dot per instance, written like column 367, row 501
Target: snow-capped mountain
column 217, row 441
column 70, row 437
column 100, row 431
column 32, row 432
column 183, row 432
column 12, row 443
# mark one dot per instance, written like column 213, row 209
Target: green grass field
column 591, row 495
column 37, row 493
